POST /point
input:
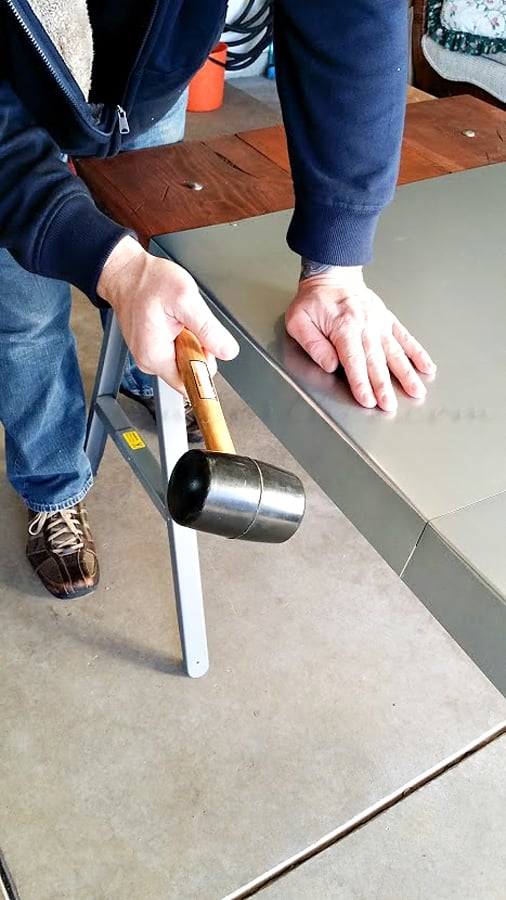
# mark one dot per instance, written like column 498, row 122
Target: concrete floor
column 282, row 770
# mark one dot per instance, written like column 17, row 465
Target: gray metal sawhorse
column 107, row 419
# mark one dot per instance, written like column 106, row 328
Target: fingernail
column 367, row 399
column 388, row 402
column 327, row 363
column 229, row 350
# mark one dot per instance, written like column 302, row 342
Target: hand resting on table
column 338, row 320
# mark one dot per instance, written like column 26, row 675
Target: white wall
column 236, row 6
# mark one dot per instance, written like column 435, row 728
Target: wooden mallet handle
column 194, row 371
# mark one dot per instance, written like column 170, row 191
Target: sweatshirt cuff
column 77, row 245
column 333, row 235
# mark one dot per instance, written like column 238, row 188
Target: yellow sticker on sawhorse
column 134, row 440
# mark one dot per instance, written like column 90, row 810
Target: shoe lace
column 64, row 532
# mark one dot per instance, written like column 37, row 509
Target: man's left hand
column 338, row 320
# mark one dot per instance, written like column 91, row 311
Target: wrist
column 346, row 274
column 125, row 251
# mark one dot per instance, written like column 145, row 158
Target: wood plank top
column 453, row 134
column 415, row 95
column 151, row 190
column 248, row 174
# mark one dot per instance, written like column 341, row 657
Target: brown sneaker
column 62, row 552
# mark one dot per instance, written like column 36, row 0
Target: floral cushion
column 470, row 26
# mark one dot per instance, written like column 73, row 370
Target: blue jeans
column 42, row 402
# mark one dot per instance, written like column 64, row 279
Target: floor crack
column 8, row 890
column 367, row 815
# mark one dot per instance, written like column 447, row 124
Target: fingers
column 166, row 367
column 356, row 361
column 378, row 370
column 416, row 353
column 162, row 360
column 187, row 308
column 300, row 326
column 168, row 371
column 211, row 334
column 211, row 363
column 154, row 299
column 356, row 330
column 369, row 361
column 401, row 367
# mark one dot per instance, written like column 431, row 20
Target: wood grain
column 149, row 190
column 271, row 142
column 415, row 95
column 437, row 131
column 248, row 174
column 415, row 166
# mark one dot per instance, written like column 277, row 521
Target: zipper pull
column 124, row 127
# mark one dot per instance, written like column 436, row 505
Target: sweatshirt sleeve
column 48, row 219
column 341, row 71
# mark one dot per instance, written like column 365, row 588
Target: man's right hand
column 154, row 299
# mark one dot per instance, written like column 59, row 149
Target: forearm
column 48, row 219
column 341, row 74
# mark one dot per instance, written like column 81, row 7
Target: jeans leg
column 133, row 379
column 42, row 403
column 168, row 130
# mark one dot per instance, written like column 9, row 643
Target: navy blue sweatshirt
column 341, row 75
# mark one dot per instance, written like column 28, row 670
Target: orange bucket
column 207, row 86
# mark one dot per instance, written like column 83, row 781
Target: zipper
column 121, row 115
column 47, row 62
column 124, row 127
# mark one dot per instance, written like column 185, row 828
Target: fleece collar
column 68, row 26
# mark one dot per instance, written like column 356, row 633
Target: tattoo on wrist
column 308, row 268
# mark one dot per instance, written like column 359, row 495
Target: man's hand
column 154, row 299
column 339, row 321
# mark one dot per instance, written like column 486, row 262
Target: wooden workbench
column 247, row 174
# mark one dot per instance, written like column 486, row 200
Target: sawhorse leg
column 107, row 419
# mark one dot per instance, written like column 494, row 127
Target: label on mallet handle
column 202, row 378
column 199, row 385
